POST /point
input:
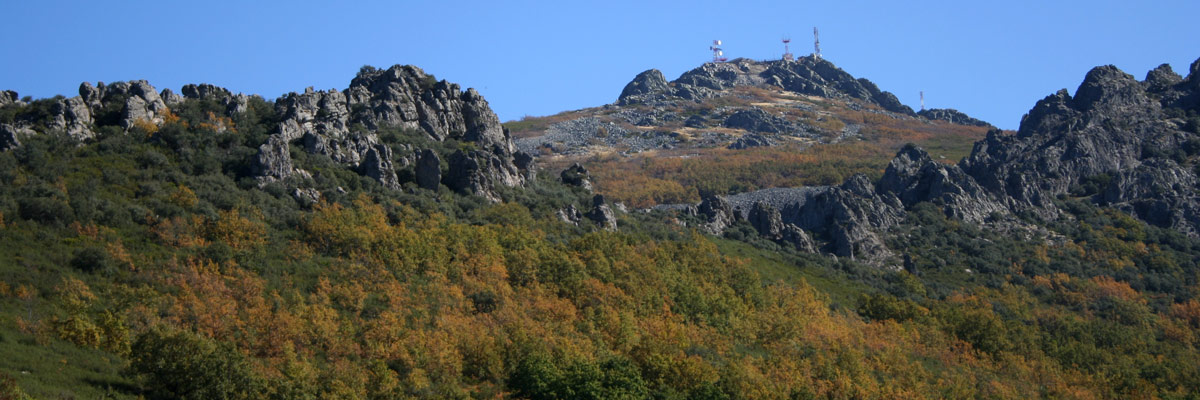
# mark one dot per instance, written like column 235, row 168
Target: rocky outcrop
column 234, row 103
column 570, row 215
column 405, row 98
column 578, row 176
column 807, row 75
column 8, row 97
column 377, row 165
column 73, row 117
column 853, row 217
column 914, row 177
column 952, row 116
column 429, row 170
column 602, row 214
column 469, row 173
column 717, row 214
column 643, row 86
column 273, row 161
column 756, row 120
column 766, row 220
column 341, row 125
column 141, row 102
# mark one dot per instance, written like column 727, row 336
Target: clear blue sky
column 992, row 60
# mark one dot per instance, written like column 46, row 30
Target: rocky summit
column 809, row 100
column 343, row 125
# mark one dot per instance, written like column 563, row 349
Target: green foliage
column 182, row 365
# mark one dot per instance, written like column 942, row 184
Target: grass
column 775, row 267
column 60, row 369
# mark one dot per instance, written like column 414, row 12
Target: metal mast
column 718, row 54
column 922, row 100
column 787, row 54
column 816, row 43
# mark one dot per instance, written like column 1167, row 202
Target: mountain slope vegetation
column 156, row 258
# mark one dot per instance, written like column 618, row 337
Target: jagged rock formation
column 401, row 97
column 324, row 123
column 952, row 116
column 1135, row 144
column 807, row 75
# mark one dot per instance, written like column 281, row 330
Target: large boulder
column 650, row 82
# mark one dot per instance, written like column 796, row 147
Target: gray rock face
column 718, row 214
column 578, row 176
column 914, row 177
column 274, row 160
column 650, row 82
column 602, row 214
column 377, row 165
column 72, row 116
column 766, row 220
column 8, row 97
column 1111, row 125
column 170, row 97
column 798, row 239
column 757, row 120
column 469, row 173
column 429, row 170
column 750, row 140
column 853, row 216
column 952, row 116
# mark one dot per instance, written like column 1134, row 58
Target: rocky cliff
column 343, row 125
column 1120, row 142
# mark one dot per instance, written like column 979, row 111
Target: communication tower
column 816, row 43
column 922, row 100
column 787, row 54
column 718, row 54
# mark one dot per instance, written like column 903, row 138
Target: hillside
column 391, row 240
column 742, row 125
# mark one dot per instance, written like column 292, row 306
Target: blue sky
column 992, row 60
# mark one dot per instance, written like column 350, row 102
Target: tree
column 182, row 365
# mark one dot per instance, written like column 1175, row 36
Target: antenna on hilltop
column 816, row 43
column 922, row 100
column 787, row 54
column 718, row 55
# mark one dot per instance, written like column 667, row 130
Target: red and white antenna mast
column 787, row 54
column 816, row 43
column 718, row 54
